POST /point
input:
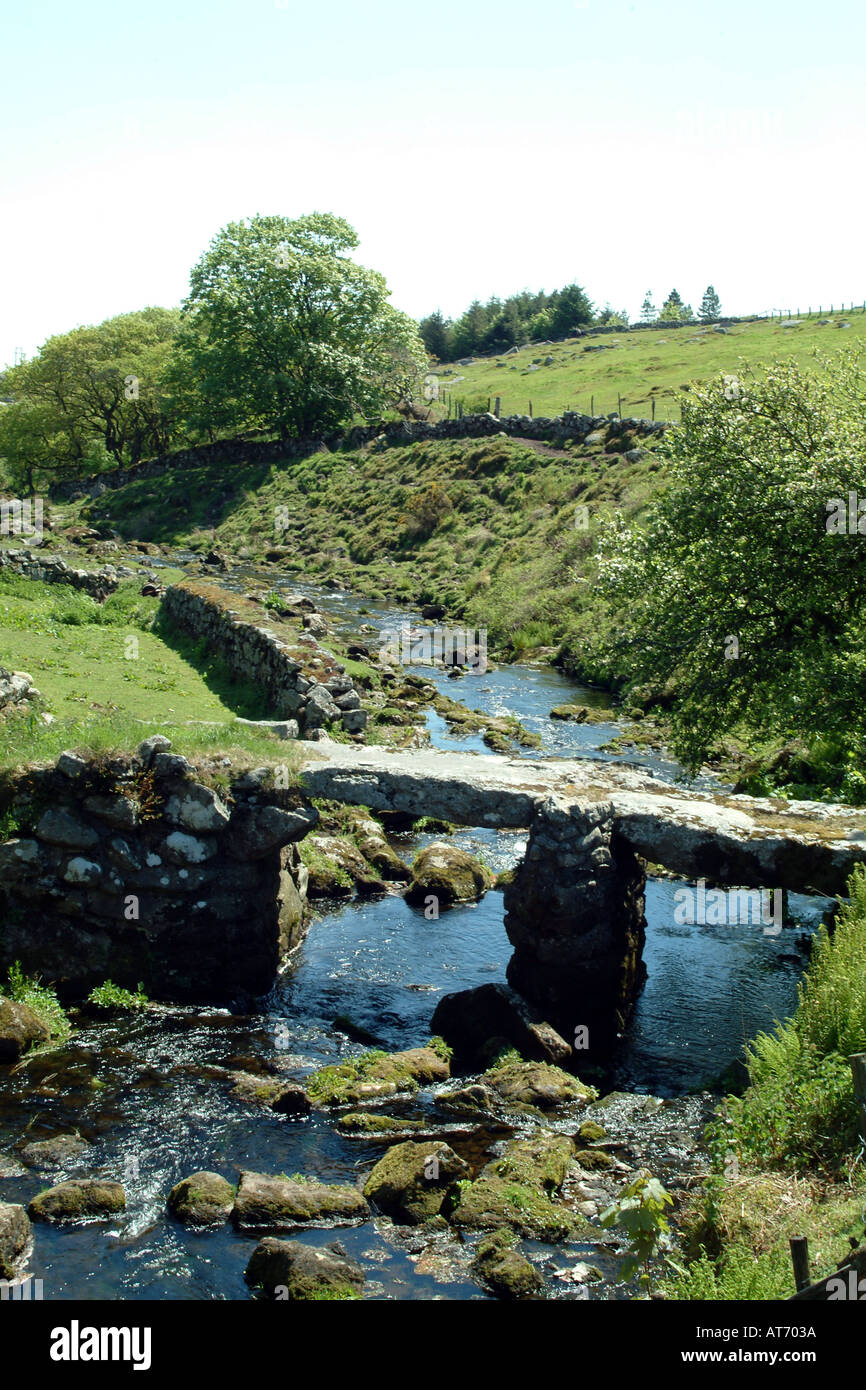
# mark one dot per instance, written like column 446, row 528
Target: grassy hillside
column 637, row 366
column 490, row 528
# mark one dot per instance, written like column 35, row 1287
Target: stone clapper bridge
column 574, row 910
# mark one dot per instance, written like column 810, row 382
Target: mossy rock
column 590, row 1132
column 412, row 1180
column 593, row 1159
column 504, row 1269
column 489, row 1203
column 298, row 1273
column 287, row 1098
column 87, row 1199
column 375, row 1075
column 575, row 714
column 449, row 874
column 202, row 1199
column 516, row 1191
column 57, row 1152
column 539, row 1086
column 361, row 1124
column 20, row 1028
column 280, row 1202
column 15, row 1233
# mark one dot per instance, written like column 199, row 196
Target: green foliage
column 735, row 594
column 441, row 1048
column 42, row 999
column 282, row 330
column 799, row 1110
column 740, row 1274
column 88, row 398
column 640, row 1212
column 113, row 999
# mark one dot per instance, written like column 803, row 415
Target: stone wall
column 16, row 688
column 574, row 913
column 130, row 868
column 97, row 583
column 571, row 425
column 262, row 656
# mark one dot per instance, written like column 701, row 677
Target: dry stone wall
column 130, row 868
column 97, row 583
column 260, row 655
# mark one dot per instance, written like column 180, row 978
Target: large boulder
column 337, row 868
column 290, row 1270
column 20, row 1028
column 203, row 1199
column 85, row 1199
column 448, row 874
column 470, row 1018
column 412, row 1180
column 280, row 1203
column 15, row 1232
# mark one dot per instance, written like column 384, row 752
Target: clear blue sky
column 477, row 148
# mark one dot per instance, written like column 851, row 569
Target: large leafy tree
column 745, row 592
column 91, row 397
column 283, row 331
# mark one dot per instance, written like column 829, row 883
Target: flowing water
column 153, row 1095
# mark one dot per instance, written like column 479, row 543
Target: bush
column 800, row 1109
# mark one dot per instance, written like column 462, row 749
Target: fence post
column 488, row 405
column 619, row 405
column 498, row 406
column 592, row 406
column 800, row 1260
column 530, row 410
column 653, row 404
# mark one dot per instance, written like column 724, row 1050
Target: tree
column 745, row 593
column 673, row 308
column 569, row 309
column 283, row 331
column 434, row 335
column 95, row 395
column 613, row 318
column 711, row 307
column 648, row 312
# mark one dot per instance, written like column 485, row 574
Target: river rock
column 504, row 1269
column 449, row 874
column 290, row 1270
column 536, row 1085
column 517, row 1191
column 285, row 1097
column 337, row 859
column 202, row 1199
column 264, row 1201
column 412, row 1180
column 20, row 1028
column 15, row 1233
column 469, row 1019
column 58, row 1152
column 84, row 1199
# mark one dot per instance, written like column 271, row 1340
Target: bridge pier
column 575, row 916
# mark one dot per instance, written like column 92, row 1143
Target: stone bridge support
column 575, row 916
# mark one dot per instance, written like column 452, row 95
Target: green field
column 636, row 366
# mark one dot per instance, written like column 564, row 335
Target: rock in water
column 202, row 1199
column 288, row 1269
column 449, row 874
column 20, row 1027
column 87, row 1199
column 413, row 1179
column 15, row 1231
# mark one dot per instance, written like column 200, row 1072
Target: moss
column 591, row 1159
column 517, row 1191
column 535, row 1086
column 375, row 1074
column 591, row 1133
